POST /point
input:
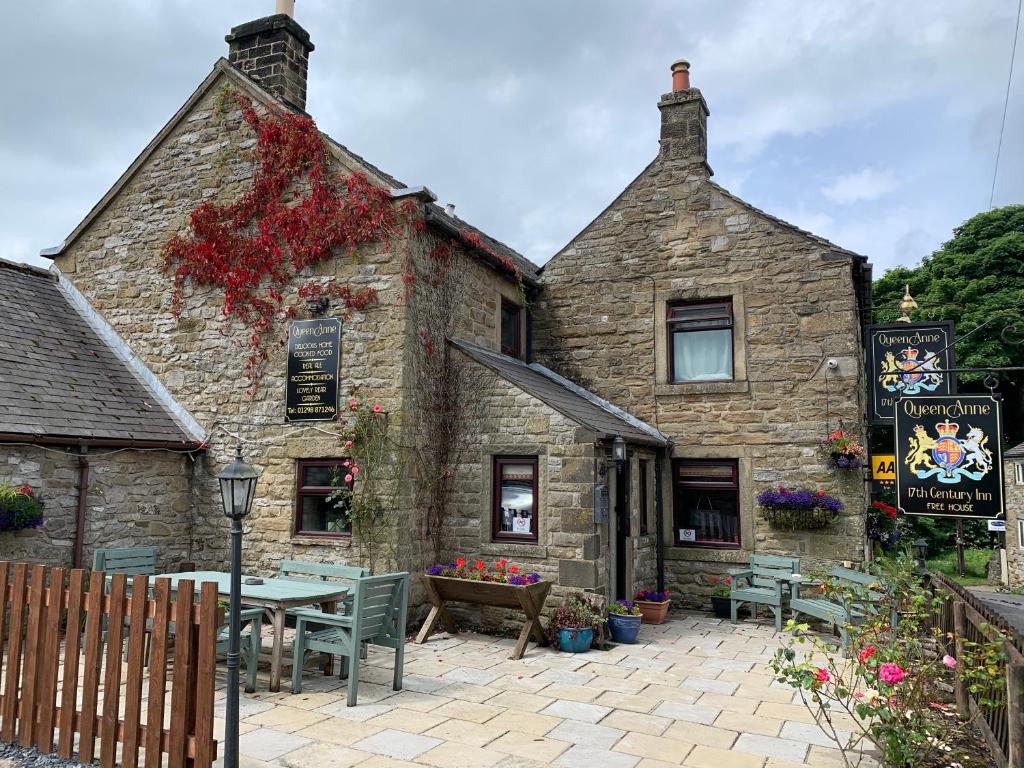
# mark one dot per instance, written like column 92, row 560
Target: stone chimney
column 274, row 52
column 684, row 121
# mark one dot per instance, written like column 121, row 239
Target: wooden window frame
column 496, row 533
column 644, row 473
column 301, row 491
column 677, row 498
column 680, row 326
column 517, row 351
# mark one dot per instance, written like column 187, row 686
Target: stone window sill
column 708, row 554
column 701, row 388
column 513, row 551
column 326, row 541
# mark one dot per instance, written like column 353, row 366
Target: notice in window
column 314, row 360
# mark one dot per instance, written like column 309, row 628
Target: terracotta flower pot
column 653, row 613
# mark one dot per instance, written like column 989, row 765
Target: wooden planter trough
column 528, row 598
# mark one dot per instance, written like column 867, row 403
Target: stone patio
column 695, row 691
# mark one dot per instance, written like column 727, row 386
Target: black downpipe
column 659, row 518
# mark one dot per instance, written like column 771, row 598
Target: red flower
column 822, row 675
column 513, row 569
column 26, row 490
column 377, row 409
column 727, row 580
column 714, row 579
column 866, row 654
column 460, row 563
column 480, row 565
column 821, row 493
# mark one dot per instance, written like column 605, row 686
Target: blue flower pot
column 575, row 640
column 624, row 629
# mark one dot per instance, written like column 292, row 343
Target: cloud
column 866, row 184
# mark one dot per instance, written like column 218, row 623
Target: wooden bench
column 300, row 570
column 763, row 585
column 867, row 593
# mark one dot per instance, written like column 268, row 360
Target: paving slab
column 400, row 745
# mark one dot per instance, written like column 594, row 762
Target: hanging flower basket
column 842, row 451
column 798, row 508
column 20, row 508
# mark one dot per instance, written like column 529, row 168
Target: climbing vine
column 296, row 214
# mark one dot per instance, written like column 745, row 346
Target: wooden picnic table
column 275, row 596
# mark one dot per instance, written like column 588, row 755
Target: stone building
column 591, row 447
column 1013, row 474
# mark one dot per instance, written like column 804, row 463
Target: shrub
column 624, row 608
column 575, row 614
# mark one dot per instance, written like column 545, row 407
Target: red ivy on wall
column 296, row 214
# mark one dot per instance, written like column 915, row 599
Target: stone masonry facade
column 1014, row 514
column 673, row 235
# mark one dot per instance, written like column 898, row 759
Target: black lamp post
column 237, row 489
column 921, row 555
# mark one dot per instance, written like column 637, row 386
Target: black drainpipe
column 659, row 517
column 83, row 493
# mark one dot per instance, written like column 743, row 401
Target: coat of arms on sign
column 910, row 373
column 947, row 457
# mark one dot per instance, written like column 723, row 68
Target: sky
column 871, row 123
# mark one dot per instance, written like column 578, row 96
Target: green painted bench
column 762, row 584
column 869, row 591
column 130, row 560
column 379, row 608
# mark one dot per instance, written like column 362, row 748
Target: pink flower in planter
column 891, row 673
column 822, row 675
column 949, row 661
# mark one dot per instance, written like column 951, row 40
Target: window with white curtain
column 700, row 341
column 1019, row 473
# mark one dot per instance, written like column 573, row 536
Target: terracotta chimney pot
column 681, row 75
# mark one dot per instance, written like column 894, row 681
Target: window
column 314, row 514
column 1018, row 473
column 643, row 497
column 700, row 341
column 515, row 498
column 707, row 509
column 511, row 335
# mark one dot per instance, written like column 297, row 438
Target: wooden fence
column 962, row 617
column 66, row 670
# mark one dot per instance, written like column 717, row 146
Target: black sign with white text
column 949, row 460
column 314, row 360
column 906, row 359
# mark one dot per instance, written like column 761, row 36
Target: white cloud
column 865, row 184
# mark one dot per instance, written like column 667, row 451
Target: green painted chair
column 249, row 646
column 301, row 570
column 130, row 560
column 867, row 592
column 377, row 617
column 762, row 584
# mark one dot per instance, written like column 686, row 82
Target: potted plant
column 20, row 508
column 842, row 451
column 574, row 624
column 624, row 621
column 721, row 588
column 798, row 508
column 653, row 605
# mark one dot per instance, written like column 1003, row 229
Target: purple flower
column 533, row 578
column 798, row 498
column 435, row 570
column 518, row 580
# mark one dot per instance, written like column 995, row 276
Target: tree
column 977, row 274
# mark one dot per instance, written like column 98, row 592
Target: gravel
column 26, row 757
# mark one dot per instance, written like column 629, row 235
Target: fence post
column 1015, row 713
column 960, row 629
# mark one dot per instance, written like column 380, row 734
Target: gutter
column 183, row 446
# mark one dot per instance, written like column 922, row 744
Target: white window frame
column 1018, row 472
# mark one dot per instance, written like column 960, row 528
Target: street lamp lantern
column 238, row 487
column 237, row 490
column 920, row 548
column 619, row 450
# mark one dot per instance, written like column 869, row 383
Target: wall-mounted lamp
column 619, row 450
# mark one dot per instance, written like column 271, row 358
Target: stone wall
column 672, row 235
column 135, row 498
column 1014, row 513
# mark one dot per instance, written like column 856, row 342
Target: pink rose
column 348, row 478
column 822, row 676
column 348, row 443
column 355, row 470
column 949, row 661
column 377, row 409
column 891, row 673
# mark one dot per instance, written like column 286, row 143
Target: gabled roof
column 223, row 68
column 582, row 406
column 59, row 380
column 1017, row 452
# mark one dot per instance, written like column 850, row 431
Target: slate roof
column 58, row 379
column 1017, row 452
column 584, row 407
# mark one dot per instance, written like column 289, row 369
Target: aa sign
column 883, row 467
column 949, row 459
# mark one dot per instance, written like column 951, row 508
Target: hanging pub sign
column 907, row 359
column 949, row 459
column 314, row 359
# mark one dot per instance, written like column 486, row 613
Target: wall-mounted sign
column 883, row 468
column 903, row 360
column 948, row 456
column 314, row 359
column 997, row 526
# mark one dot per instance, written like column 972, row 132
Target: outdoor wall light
column 921, row 555
column 237, row 489
column 619, row 450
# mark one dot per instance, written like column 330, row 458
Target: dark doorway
column 622, row 519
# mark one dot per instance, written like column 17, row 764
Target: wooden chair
column 763, row 585
column 867, row 593
column 378, row 615
column 250, row 644
column 130, row 560
column 300, row 570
